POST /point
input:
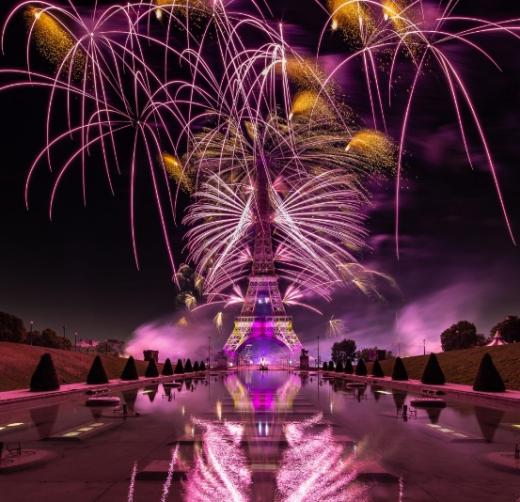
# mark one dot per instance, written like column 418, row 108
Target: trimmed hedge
column 167, row 368
column 325, row 366
column 97, row 374
column 151, row 371
column 488, row 378
column 196, row 367
column 331, row 366
column 130, row 370
column 202, row 366
column 44, row 377
column 377, row 371
column 399, row 372
column 348, row 367
column 432, row 373
column 361, row 368
column 339, row 367
column 188, row 367
column 179, row 368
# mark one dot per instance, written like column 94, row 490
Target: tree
column 488, row 378
column 339, row 367
column 97, row 374
column 45, row 377
column 130, row 370
column 151, row 370
column 11, row 328
column 331, row 366
column 49, row 338
column 196, row 366
column 202, row 366
column 187, row 366
column 462, row 335
column 343, row 350
column 377, row 371
column 348, row 367
column 179, row 368
column 509, row 329
column 167, row 368
column 399, row 372
column 361, row 368
column 432, row 373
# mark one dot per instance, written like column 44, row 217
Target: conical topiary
column 488, row 378
column 202, row 366
column 348, row 367
column 377, row 371
column 432, row 373
column 361, row 368
column 331, row 366
column 130, row 370
column 97, row 374
column 45, row 376
column 167, row 368
column 399, row 371
column 187, row 367
column 179, row 368
column 325, row 366
column 196, row 366
column 151, row 370
column 339, row 367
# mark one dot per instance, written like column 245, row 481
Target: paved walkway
column 510, row 397
column 22, row 395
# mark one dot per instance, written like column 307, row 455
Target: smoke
column 176, row 336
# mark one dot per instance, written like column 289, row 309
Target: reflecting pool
column 262, row 436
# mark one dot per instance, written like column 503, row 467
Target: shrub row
column 488, row 378
column 45, row 377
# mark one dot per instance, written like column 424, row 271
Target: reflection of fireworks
column 221, row 472
column 313, row 467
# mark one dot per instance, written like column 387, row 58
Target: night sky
column 457, row 261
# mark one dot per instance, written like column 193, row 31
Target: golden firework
column 309, row 103
column 176, row 171
column 351, row 16
column 374, row 147
column 54, row 42
column 394, row 11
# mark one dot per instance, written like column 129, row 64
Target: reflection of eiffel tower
column 263, row 313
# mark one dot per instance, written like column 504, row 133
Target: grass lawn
column 460, row 366
column 18, row 361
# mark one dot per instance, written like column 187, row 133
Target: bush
column 202, row 366
column 325, row 366
column 97, row 374
column 377, row 371
column 45, row 377
column 488, row 378
column 151, row 370
column 361, row 368
column 187, row 367
column 432, row 373
column 196, row 366
column 339, row 367
column 130, row 370
column 179, row 368
column 462, row 335
column 331, row 366
column 399, row 372
column 348, row 367
column 167, row 368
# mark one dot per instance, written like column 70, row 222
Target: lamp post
column 31, row 332
column 75, row 341
column 319, row 366
column 209, row 352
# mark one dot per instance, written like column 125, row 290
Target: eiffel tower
column 263, row 314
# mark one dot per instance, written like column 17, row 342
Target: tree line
column 12, row 329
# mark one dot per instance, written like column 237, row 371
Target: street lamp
column 75, row 341
column 31, row 336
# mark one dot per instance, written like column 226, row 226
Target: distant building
column 151, row 354
column 496, row 340
column 87, row 345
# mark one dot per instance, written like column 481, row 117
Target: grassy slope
column 460, row 366
column 18, row 361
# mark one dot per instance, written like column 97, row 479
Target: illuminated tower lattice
column 263, row 313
